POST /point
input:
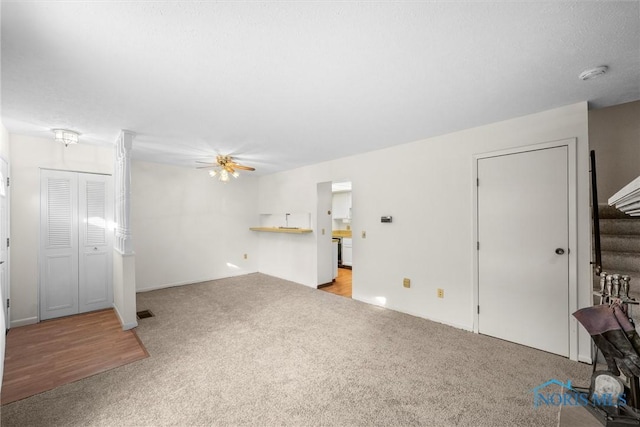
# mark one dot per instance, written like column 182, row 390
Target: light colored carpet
column 256, row 350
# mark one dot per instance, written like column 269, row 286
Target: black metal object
column 609, row 416
column 596, row 215
column 634, row 387
column 339, row 251
column 144, row 314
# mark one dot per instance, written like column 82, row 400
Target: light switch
column 364, row 234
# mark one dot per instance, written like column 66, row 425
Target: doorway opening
column 342, row 239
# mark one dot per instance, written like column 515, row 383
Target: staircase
column 620, row 245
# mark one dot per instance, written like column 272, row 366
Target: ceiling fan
column 224, row 167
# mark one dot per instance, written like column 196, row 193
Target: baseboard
column 585, row 359
column 125, row 326
column 24, row 322
column 170, row 285
column 324, row 285
column 188, row 282
column 411, row 313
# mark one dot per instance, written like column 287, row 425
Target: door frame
column 572, row 192
column 7, row 222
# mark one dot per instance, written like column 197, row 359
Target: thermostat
column 385, row 219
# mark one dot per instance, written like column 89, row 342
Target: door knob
column 560, row 251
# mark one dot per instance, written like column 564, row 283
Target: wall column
column 124, row 266
column 123, row 239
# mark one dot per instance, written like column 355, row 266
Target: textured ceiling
column 284, row 84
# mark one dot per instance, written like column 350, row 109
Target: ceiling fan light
column 224, row 168
column 65, row 136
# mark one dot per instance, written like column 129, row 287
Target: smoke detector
column 593, row 73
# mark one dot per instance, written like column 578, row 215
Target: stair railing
column 596, row 216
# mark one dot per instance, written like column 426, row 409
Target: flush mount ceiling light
column 65, row 136
column 224, row 168
column 593, row 73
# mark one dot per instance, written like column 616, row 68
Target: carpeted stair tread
column 620, row 243
column 610, row 212
column 620, row 226
column 615, row 261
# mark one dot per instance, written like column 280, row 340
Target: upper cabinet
column 342, row 205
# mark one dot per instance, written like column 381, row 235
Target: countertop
column 341, row 233
column 282, row 230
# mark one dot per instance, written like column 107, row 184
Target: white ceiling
column 284, row 84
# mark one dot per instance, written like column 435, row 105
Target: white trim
column 413, row 313
column 128, row 254
column 585, row 359
column 125, row 326
column 75, row 171
column 572, row 190
column 24, row 322
column 192, row 282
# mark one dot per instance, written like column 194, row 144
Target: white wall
column 188, row 227
column 4, row 143
column 430, row 198
column 28, row 155
column 614, row 134
column 124, row 289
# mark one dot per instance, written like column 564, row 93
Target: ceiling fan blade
column 243, row 167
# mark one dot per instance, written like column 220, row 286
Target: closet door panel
column 94, row 209
column 58, row 244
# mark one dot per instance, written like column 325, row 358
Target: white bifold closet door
column 75, row 243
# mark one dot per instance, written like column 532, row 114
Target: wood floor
column 55, row 352
column 342, row 284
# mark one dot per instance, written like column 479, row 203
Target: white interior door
column 523, row 235
column 75, row 260
column 58, row 244
column 95, row 271
column 4, row 235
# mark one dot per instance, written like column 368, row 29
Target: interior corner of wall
column 125, row 323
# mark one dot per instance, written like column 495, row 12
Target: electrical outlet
column 364, row 234
column 440, row 293
column 246, row 256
column 406, row 282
